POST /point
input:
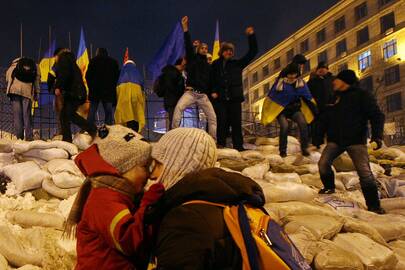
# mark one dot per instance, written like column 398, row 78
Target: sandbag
column 268, row 149
column 26, row 219
column 400, row 158
column 372, row 254
column 67, row 180
column 399, row 250
column 25, row 176
column 322, row 227
column 63, row 165
column 292, row 140
column 47, row 154
column 376, row 169
column 349, row 179
column 339, row 204
column 3, row 263
column 312, row 180
column 39, row 161
column 238, row 165
column 353, row 225
column 389, row 153
column 297, row 160
column 65, row 206
column 13, row 250
column 306, row 243
column 288, row 191
column 82, row 141
column 228, row 153
column 293, row 149
column 274, row 159
column 393, row 203
column 343, row 163
column 6, row 158
column 282, row 177
column 258, row 171
column 29, row 267
column 6, row 146
column 332, row 257
column 249, row 146
column 68, row 147
column 252, row 154
column 52, row 189
column 266, row 141
column 285, row 209
column 20, row 146
column 400, row 192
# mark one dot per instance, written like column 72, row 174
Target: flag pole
column 91, row 50
column 70, row 42
column 39, row 50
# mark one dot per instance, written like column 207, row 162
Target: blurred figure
column 209, row 58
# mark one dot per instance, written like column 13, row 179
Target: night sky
column 142, row 25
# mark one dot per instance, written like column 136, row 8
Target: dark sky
column 142, row 25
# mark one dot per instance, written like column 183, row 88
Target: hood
column 214, row 185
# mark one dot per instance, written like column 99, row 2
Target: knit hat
column 183, row 151
column 122, row 148
column 348, row 76
column 322, row 64
column 299, row 59
column 226, row 46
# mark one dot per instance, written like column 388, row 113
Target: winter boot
column 370, row 193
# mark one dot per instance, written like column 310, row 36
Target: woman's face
column 156, row 170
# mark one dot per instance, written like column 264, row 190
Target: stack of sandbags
column 399, row 250
column 288, row 191
column 306, row 243
column 82, row 141
column 282, row 177
column 6, row 154
column 257, row 172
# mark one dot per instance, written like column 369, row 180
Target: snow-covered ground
column 332, row 231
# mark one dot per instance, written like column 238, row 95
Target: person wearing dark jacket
column 69, row 83
column 195, row 236
column 198, row 87
column 102, row 77
column 227, row 90
column 320, row 85
column 172, row 83
column 345, row 124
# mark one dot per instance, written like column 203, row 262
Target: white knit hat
column 123, row 148
column 183, row 151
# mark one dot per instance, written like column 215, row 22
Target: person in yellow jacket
column 130, row 109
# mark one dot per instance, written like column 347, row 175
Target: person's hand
column 214, row 95
column 57, row 92
column 153, row 194
column 250, row 31
column 378, row 142
column 184, row 23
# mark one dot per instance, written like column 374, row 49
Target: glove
column 153, row 194
column 378, row 142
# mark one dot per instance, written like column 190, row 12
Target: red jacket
column 111, row 233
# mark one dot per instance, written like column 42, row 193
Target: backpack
column 25, row 71
column 157, row 87
column 263, row 243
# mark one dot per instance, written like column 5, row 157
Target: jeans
column 22, row 116
column 108, row 111
column 299, row 118
column 170, row 112
column 359, row 155
column 201, row 100
column 58, row 104
column 229, row 114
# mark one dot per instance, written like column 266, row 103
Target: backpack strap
column 204, row 202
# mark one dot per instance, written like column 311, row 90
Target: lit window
column 364, row 60
column 390, row 48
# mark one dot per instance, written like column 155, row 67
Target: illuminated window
column 364, row 60
column 390, row 48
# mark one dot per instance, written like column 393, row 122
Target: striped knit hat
column 183, row 151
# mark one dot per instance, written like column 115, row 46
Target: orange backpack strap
column 204, row 202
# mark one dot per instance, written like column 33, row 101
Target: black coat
column 321, row 90
column 226, row 78
column 197, row 67
column 346, row 122
column 102, row 77
column 195, row 236
column 172, row 82
column 69, row 78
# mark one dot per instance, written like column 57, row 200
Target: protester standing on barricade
column 102, row 77
column 197, row 83
column 345, row 123
column 227, row 90
column 23, row 78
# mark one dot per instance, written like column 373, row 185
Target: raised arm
column 245, row 60
column 187, row 39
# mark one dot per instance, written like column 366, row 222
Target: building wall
column 254, row 89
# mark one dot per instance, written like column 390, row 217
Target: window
column 266, row 88
column 360, row 11
column 383, row 2
column 255, row 95
column 391, row 75
column 304, row 46
column 290, row 55
column 387, row 22
column 367, row 83
column 340, row 24
column 323, row 57
column 394, row 102
column 341, row 47
column 362, row 36
column 320, row 36
column 277, row 63
column 245, row 83
column 265, row 71
column 342, row 66
column 307, row 66
column 364, row 60
column 390, row 49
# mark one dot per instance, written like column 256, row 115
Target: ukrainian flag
column 82, row 56
column 130, row 96
column 216, row 47
column 46, row 63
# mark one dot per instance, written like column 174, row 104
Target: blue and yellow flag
column 216, row 47
column 130, row 96
column 82, row 58
column 46, row 63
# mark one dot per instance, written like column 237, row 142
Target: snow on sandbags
column 47, row 154
column 62, row 193
column 65, row 173
column 257, row 171
column 23, row 146
column 332, row 257
column 285, row 209
column 67, row 180
column 274, row 159
column 26, row 219
column 288, row 191
column 25, row 176
column 393, row 203
column 266, row 141
column 82, row 141
column 252, row 154
column 372, row 254
column 282, row 177
column 399, row 250
column 228, row 153
column 15, row 253
column 322, row 227
column 306, row 243
column 66, row 205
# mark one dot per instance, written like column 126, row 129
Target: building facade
column 367, row 36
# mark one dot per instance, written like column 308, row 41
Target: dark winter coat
column 226, row 76
column 346, row 122
column 195, row 236
column 198, row 69
column 172, row 82
column 69, row 78
column 102, row 77
column 321, row 90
